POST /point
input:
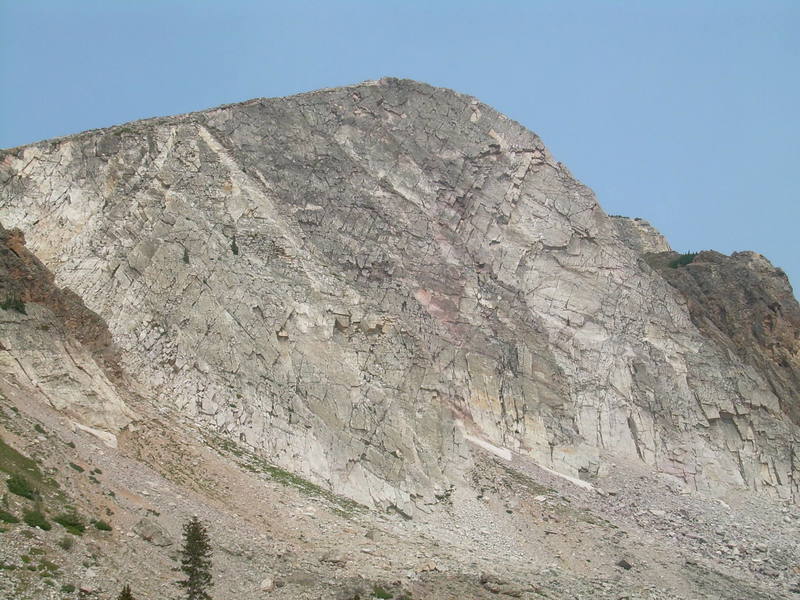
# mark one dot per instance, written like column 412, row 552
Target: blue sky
column 681, row 112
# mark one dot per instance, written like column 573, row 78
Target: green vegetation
column 527, row 482
column 20, row 486
column 66, row 542
column 7, row 517
column 13, row 303
column 682, row 260
column 25, row 474
column 196, row 561
column 234, row 247
column 247, row 460
column 12, row 461
column 186, row 256
column 126, row 594
column 72, row 522
column 379, row 592
column 101, row 525
column 67, row 588
column 48, row 568
column 33, row 518
column 39, row 428
column 78, row 468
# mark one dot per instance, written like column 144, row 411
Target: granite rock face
column 640, row 235
column 361, row 282
column 55, row 350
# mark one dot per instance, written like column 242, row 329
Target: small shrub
column 20, row 486
column 102, row 525
column 71, row 444
column 78, row 468
column 33, row 518
column 71, row 522
column 379, row 592
column 234, row 247
column 66, row 542
column 13, row 303
column 185, row 256
column 682, row 260
column 39, row 428
column 68, row 588
column 97, row 472
column 7, row 517
column 48, row 567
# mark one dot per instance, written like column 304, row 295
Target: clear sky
column 684, row 112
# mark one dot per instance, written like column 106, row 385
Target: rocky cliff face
column 53, row 349
column 746, row 305
column 361, row 282
column 639, row 235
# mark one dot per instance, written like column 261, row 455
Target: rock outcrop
column 53, row 348
column 744, row 304
column 359, row 282
column 640, row 235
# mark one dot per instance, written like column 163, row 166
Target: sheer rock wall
column 354, row 281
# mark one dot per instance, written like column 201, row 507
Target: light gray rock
column 639, row 235
column 53, row 349
column 151, row 531
column 356, row 282
column 267, row 584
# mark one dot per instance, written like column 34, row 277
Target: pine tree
column 125, row 594
column 196, row 561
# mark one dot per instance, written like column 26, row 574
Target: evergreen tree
column 125, row 594
column 196, row 561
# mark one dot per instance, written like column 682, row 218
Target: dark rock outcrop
column 744, row 303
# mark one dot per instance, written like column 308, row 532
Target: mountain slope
column 392, row 292
column 360, row 283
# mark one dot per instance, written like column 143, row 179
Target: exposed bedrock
column 354, row 281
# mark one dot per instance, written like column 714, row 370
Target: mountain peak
column 394, row 292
